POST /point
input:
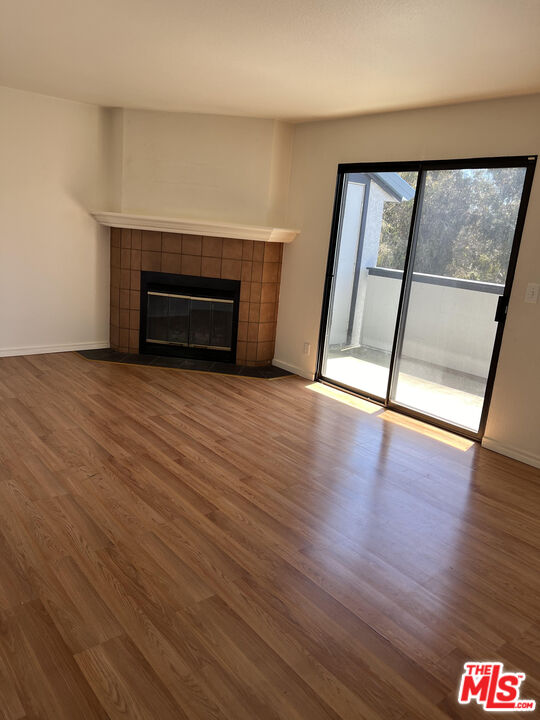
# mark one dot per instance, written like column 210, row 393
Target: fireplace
column 254, row 265
column 189, row 316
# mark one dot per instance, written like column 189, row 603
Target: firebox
column 188, row 316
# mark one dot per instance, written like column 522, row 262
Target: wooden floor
column 183, row 545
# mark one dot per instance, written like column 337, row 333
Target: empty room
column 269, row 359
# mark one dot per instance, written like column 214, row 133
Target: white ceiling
column 291, row 59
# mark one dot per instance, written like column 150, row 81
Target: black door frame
column 421, row 167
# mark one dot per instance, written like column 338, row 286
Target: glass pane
column 370, row 255
column 200, row 322
column 466, row 229
column 179, row 320
column 157, row 326
column 222, row 322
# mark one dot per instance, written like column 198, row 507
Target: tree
column 466, row 226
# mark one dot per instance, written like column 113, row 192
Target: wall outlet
column 307, row 348
column 532, row 292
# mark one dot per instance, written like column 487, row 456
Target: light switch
column 532, row 292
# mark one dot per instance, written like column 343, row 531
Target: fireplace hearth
column 189, row 316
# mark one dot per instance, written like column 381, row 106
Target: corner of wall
column 114, row 158
column 511, row 452
column 280, row 172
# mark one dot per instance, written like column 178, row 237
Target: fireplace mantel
column 190, row 226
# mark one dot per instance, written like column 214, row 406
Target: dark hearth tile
column 130, row 358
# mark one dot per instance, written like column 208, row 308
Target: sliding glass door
column 419, row 277
column 375, row 216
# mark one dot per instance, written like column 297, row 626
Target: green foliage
column 466, row 227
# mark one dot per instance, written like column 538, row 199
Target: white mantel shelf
column 195, row 227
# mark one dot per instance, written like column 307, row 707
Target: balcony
column 447, row 347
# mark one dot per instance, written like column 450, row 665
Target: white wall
column 492, row 128
column 205, row 166
column 54, row 258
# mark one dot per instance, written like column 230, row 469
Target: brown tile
column 270, row 272
column 243, row 311
column 125, row 239
column 269, row 292
column 116, row 236
column 125, row 258
column 272, row 252
column 247, row 249
column 170, row 262
column 151, row 241
column 150, row 260
column 113, row 337
column 114, row 296
column 265, row 351
column 211, row 267
column 266, row 332
column 212, row 246
column 135, row 280
column 115, row 316
column 258, row 251
column 124, row 299
column 136, row 239
column 123, row 318
column 135, row 259
column 134, row 341
column 256, row 272
column 191, row 245
column 115, row 277
column 134, row 299
column 242, row 331
column 125, row 279
column 123, row 339
column 241, row 349
column 191, row 265
column 232, row 248
column 268, row 312
column 231, row 269
column 255, row 295
column 254, row 311
column 245, row 291
column 171, row 242
column 246, row 271
column 251, row 351
column 134, row 316
column 115, row 257
column 253, row 332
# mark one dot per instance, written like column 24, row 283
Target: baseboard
column 293, row 368
column 42, row 349
column 511, row 452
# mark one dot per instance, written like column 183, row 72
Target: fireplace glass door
column 189, row 321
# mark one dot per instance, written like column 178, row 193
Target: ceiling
column 289, row 59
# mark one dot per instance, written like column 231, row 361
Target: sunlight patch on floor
column 431, row 398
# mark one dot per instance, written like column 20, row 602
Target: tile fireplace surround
column 256, row 264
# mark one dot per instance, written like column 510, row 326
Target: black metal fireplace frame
column 198, row 287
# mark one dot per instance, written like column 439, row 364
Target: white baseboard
column 512, row 452
column 293, row 368
column 42, row 349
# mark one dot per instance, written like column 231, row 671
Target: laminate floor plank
column 187, row 545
